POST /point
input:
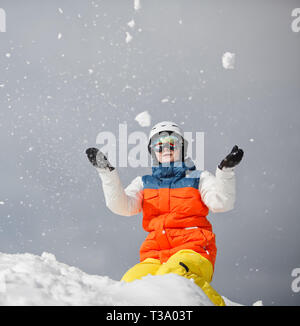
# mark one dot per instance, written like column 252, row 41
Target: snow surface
column 27, row 279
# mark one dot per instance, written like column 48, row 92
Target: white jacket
column 217, row 191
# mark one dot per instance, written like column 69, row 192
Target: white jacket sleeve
column 122, row 202
column 218, row 192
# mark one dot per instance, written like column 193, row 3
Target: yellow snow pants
column 186, row 263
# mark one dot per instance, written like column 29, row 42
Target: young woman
column 175, row 201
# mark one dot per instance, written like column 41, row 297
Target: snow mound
column 27, row 279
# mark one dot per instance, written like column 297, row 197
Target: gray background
column 52, row 108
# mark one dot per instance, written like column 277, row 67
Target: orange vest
column 174, row 213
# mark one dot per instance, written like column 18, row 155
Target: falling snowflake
column 128, row 37
column 131, row 24
column 144, row 119
column 228, row 60
column 137, row 5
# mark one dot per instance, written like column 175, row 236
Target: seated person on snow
column 175, row 201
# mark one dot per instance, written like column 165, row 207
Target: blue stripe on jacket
column 173, row 175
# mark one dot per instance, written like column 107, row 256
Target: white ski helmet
column 167, row 126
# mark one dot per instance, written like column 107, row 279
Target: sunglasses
column 171, row 142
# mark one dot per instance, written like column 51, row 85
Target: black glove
column 98, row 159
column 232, row 159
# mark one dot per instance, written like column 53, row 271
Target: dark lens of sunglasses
column 159, row 148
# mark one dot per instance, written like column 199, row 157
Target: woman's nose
column 166, row 149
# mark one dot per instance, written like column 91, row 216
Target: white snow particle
column 131, row 24
column 8, row 55
column 60, row 11
column 91, row 71
column 59, row 36
column 128, row 37
column 1, row 202
column 251, row 140
column 137, row 5
column 228, row 60
column 144, row 119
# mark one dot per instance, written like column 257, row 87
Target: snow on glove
column 233, row 158
column 98, row 159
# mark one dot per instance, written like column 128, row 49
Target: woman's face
column 167, row 148
column 168, row 155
